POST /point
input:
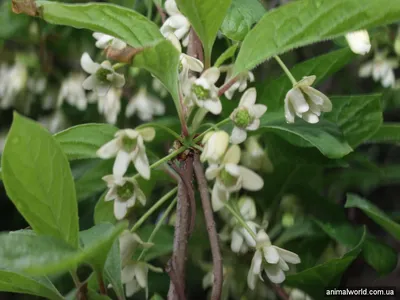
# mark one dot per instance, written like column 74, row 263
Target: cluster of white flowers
column 176, row 24
column 12, row 81
column 133, row 273
column 127, row 146
column 381, row 69
column 224, row 168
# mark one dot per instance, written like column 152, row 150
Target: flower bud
column 359, row 42
column 215, row 147
column 247, row 208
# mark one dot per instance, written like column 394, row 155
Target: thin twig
column 161, row 13
column 100, row 280
column 211, row 229
column 280, row 292
column 227, row 86
column 170, row 269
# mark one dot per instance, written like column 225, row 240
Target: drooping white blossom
column 102, row 76
column 123, row 191
column 359, row 41
column 381, row 69
column 177, row 23
column 204, row 93
column 36, row 85
column 296, row 294
column 187, row 63
column 271, row 259
column 134, row 276
column 306, row 102
column 109, row 105
column 144, row 105
column 241, row 82
column 72, row 91
column 230, row 177
column 12, row 81
column 247, row 208
column 128, row 242
column 255, row 156
column 215, row 145
column 246, row 116
column 128, row 146
column 159, row 87
column 104, row 40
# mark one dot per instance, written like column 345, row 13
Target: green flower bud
column 126, row 191
column 242, row 118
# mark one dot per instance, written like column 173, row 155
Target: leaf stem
column 240, row 219
column 223, row 122
column 164, row 159
column 227, row 86
column 285, row 69
column 153, row 209
column 119, row 65
column 158, row 225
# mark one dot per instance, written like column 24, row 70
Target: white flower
column 381, row 69
column 241, row 82
column 177, row 23
column 273, row 260
column 204, row 92
column 255, row 157
column 247, row 208
column 187, row 62
column 72, row 91
column 110, row 104
column 242, row 239
column 159, row 87
column 246, row 116
column 215, row 145
column 105, row 40
column 36, row 85
column 306, row 102
column 127, row 146
column 12, row 81
column 124, row 191
column 102, row 76
column 229, row 178
column 128, row 242
column 134, row 276
column 359, row 42
column 145, row 106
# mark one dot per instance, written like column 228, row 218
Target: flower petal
column 271, row 255
column 194, row 64
column 254, row 125
column 232, row 156
column 89, row 83
column 275, row 274
column 131, row 288
column 298, row 101
column 120, row 209
column 288, row 256
column 148, row 133
column 249, row 98
column 251, row 181
column 108, row 150
column 258, row 110
column 212, row 171
column 128, row 273
column 214, row 106
column 121, row 163
column 218, row 197
column 141, row 163
column 238, row 135
column 141, row 274
column 256, row 263
column 211, row 75
column 88, row 64
column 237, row 241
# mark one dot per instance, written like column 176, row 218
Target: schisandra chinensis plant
column 195, row 149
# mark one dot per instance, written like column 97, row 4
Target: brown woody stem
column 227, row 85
column 211, row 229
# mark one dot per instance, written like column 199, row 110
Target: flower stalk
column 285, row 69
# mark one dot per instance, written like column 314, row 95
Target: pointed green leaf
column 303, row 22
column 112, row 270
column 357, row 116
column 387, row 133
column 325, row 136
column 42, row 255
column 104, row 211
column 206, row 17
column 18, row 282
column 273, row 93
column 313, row 281
column 228, row 53
column 241, row 16
column 38, row 180
column 82, row 141
column 126, row 24
column 374, row 213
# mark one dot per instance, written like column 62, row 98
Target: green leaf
column 241, row 16
column 228, row 53
column 163, row 62
column 374, row 213
column 387, row 133
column 99, row 240
column 325, row 136
column 11, row 23
column 303, row 22
column 93, row 295
column 42, row 255
column 112, row 270
column 206, row 17
column 91, row 181
column 358, row 117
column 38, row 180
column 17, row 282
column 313, row 281
column 123, row 23
column 82, row 141
column 104, row 211
column 273, row 93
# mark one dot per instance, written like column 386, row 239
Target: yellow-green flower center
column 129, row 144
column 200, row 92
column 101, row 74
column 227, row 179
column 242, row 118
column 125, row 191
column 180, row 68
